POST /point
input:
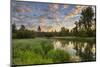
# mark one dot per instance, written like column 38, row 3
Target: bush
column 58, row 56
column 14, row 35
column 46, row 46
column 20, row 34
column 28, row 57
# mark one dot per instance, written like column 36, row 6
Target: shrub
column 58, row 56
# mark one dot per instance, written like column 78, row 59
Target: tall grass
column 36, row 51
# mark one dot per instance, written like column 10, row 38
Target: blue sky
column 49, row 15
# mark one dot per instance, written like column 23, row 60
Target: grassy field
column 36, row 51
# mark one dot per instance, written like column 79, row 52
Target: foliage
column 22, row 32
column 13, row 27
column 36, row 51
column 59, row 55
column 84, row 25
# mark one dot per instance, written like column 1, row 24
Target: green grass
column 36, row 51
column 41, row 50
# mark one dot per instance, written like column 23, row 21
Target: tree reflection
column 85, row 50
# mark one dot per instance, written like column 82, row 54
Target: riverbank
column 76, row 38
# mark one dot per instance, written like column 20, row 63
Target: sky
column 49, row 16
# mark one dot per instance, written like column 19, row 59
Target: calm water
column 79, row 51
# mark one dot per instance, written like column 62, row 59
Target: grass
column 41, row 50
column 36, row 51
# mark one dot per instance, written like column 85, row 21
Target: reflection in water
column 79, row 51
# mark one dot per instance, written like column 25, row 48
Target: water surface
column 78, row 50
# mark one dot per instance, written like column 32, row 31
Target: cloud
column 77, row 9
column 23, row 8
column 15, row 19
column 54, row 12
column 66, row 6
column 53, row 7
column 75, row 12
column 73, row 16
column 53, row 16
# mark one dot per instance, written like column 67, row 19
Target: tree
column 83, row 27
column 22, row 27
column 76, row 28
column 64, row 31
column 13, row 27
column 39, row 29
column 87, row 17
column 14, row 30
